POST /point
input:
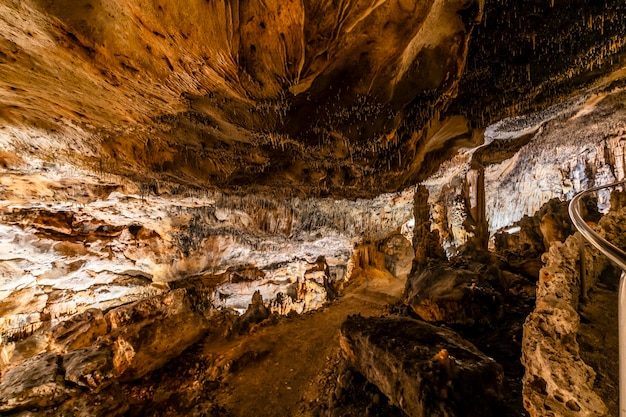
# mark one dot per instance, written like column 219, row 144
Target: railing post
column 583, row 271
column 621, row 334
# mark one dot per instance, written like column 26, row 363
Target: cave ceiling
column 344, row 98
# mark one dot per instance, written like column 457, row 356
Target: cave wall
column 531, row 160
column 233, row 94
column 71, row 240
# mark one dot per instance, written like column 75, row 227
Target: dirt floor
column 291, row 366
column 294, row 353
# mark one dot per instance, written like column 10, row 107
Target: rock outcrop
column 557, row 382
column 71, row 240
column 424, row 370
column 79, row 365
column 529, row 163
column 36, row 383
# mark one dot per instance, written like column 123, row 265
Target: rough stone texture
column 79, row 331
column 549, row 155
column 309, row 93
column 324, row 97
column 89, row 367
column 521, row 57
column 110, row 401
column 426, row 243
column 148, row 333
column 71, row 240
column 557, row 382
column 422, row 369
column 255, row 313
column 399, row 255
column 37, row 382
column 97, row 354
column 441, row 293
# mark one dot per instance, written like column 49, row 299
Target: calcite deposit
column 100, row 244
column 343, row 99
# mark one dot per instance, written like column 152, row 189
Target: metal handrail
column 611, row 251
column 618, row 256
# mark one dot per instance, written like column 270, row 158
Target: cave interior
column 309, row 207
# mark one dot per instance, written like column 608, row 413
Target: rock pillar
column 425, row 242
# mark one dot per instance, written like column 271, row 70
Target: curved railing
column 618, row 256
column 611, row 251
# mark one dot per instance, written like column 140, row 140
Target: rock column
column 425, row 242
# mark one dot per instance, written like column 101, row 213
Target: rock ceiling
column 311, row 97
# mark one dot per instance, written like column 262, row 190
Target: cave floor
column 296, row 352
column 282, row 368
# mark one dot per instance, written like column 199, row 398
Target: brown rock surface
column 557, row 382
column 441, row 293
column 90, row 367
column 422, row 369
column 37, row 382
column 328, row 98
column 399, row 255
column 148, row 333
column 79, row 331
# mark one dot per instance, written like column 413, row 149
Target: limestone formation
column 84, row 376
column 399, row 255
column 148, row 333
column 89, row 367
column 557, row 382
column 348, row 101
column 426, row 243
column 256, row 313
column 182, row 172
column 422, row 369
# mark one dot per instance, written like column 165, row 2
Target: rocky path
column 282, row 368
column 295, row 352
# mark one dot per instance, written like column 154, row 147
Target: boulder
column 79, row 331
column 423, row 369
column 146, row 334
column 440, row 293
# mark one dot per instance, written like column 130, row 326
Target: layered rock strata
column 76, row 368
column 530, row 160
column 71, row 240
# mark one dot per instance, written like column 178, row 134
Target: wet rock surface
column 422, row 369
